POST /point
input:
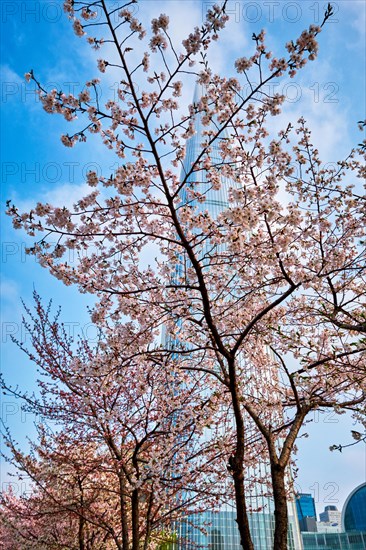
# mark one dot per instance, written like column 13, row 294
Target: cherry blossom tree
column 72, row 502
column 264, row 299
column 119, row 442
column 75, row 502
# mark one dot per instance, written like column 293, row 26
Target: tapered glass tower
column 219, row 529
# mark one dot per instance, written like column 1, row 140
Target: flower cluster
column 205, row 76
column 145, row 62
column 161, row 23
column 278, row 65
column 95, row 42
column 50, row 101
column 102, row 64
column 78, row 28
column 68, row 141
column 84, row 96
column 243, row 64
column 87, row 13
column 215, row 20
column 69, row 7
column 305, row 43
column 93, row 82
column 92, row 178
column 194, row 42
column 134, row 24
column 158, row 42
column 42, row 209
column 177, row 86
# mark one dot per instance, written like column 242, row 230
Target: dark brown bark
column 135, row 520
column 236, row 465
column 241, row 508
column 123, row 512
column 280, row 512
column 278, row 469
column 81, row 533
column 81, row 517
column 148, row 520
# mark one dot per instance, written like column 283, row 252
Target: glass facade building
column 334, row 541
column 305, row 506
column 306, row 512
column 354, row 524
column 354, row 510
column 218, row 530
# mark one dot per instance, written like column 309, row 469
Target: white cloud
column 9, row 75
column 8, row 288
column 354, row 11
column 65, row 194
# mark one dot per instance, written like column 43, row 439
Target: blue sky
column 329, row 92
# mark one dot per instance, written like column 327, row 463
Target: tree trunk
column 240, row 500
column 236, row 465
column 81, row 516
column 148, row 518
column 135, row 520
column 281, row 513
column 81, row 533
column 123, row 511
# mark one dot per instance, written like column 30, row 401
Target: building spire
column 198, row 92
column 216, row 200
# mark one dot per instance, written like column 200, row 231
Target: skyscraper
column 219, row 529
column 331, row 515
column 306, row 512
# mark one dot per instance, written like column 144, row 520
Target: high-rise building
column 219, row 529
column 306, row 512
column 331, row 515
column 305, row 505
